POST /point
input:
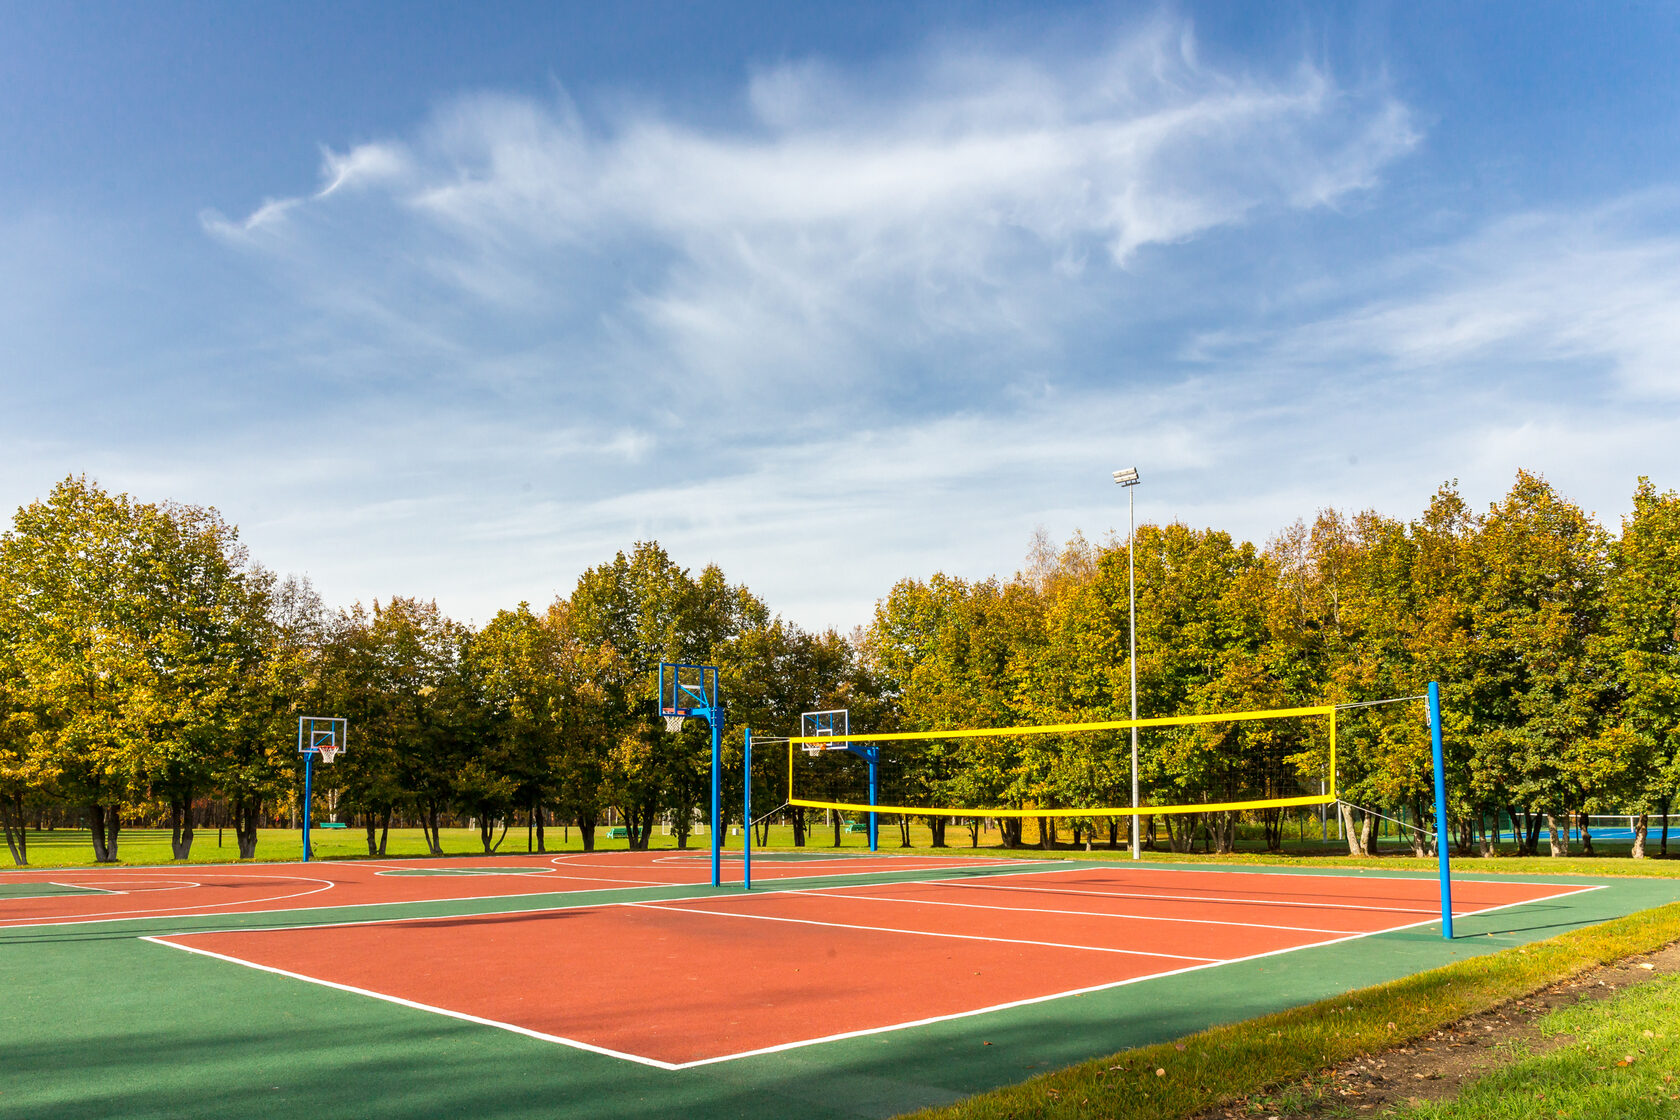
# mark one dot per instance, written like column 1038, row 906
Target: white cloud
column 858, row 229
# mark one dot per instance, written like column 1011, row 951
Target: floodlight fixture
column 1126, row 476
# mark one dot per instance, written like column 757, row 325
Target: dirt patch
column 1437, row 1066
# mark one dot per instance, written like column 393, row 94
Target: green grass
column 1622, row 1061
column 145, row 846
column 1204, row 1070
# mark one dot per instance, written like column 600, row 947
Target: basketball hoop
column 673, row 724
column 328, row 754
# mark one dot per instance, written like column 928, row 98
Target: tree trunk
column 1272, row 821
column 434, row 837
column 247, row 812
column 384, row 828
column 1640, row 824
column 96, row 826
column 1356, row 826
column 586, row 830
column 16, row 828
column 798, row 826
column 1586, row 834
column 487, row 829
column 537, row 817
column 1047, row 833
column 836, row 819
column 371, row 823
column 181, row 826
column 1223, row 830
column 1009, row 831
column 903, row 832
column 1559, row 844
column 936, row 825
column 974, row 826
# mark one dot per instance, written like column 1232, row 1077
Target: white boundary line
column 123, row 916
column 1063, row 913
column 1204, row 898
column 1422, row 875
column 399, row 1001
column 920, row 932
column 801, row 1043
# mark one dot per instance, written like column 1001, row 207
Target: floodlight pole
column 1128, row 477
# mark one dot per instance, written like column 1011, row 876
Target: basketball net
column 328, row 754
column 673, row 724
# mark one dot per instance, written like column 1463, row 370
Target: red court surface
column 675, row 983
column 152, row 892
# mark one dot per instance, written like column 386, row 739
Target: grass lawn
column 146, row 846
column 1193, row 1076
column 1622, row 1061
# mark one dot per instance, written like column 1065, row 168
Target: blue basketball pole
column 308, row 766
column 746, row 816
column 1440, row 808
column 717, row 799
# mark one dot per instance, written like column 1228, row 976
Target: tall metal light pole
column 1128, row 477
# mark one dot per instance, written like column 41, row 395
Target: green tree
column 1642, row 640
column 75, row 585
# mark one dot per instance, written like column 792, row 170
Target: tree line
column 148, row 664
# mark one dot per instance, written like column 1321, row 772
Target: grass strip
column 1204, row 1070
column 1622, row 1062
column 150, row 847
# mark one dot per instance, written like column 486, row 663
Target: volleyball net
column 1226, row 762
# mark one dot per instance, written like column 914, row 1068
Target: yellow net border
column 1329, row 797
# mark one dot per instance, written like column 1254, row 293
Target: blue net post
column 308, row 768
column 874, row 797
column 746, row 815
column 1440, row 808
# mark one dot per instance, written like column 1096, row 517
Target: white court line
column 162, row 913
column 400, row 1002
column 915, row 932
column 1194, row 898
column 801, row 1043
column 167, row 911
column 1286, row 872
column 1066, row 913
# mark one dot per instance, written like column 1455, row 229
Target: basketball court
column 554, row 970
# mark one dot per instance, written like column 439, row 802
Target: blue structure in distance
column 691, row 691
column 838, row 721
column 317, row 735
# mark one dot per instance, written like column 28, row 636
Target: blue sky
column 455, row 300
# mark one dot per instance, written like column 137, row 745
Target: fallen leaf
column 1159, row 1072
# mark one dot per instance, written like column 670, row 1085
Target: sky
column 457, row 300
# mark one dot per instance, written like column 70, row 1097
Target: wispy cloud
column 857, row 231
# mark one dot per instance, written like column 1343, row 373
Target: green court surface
column 42, row 890
column 99, row 1023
